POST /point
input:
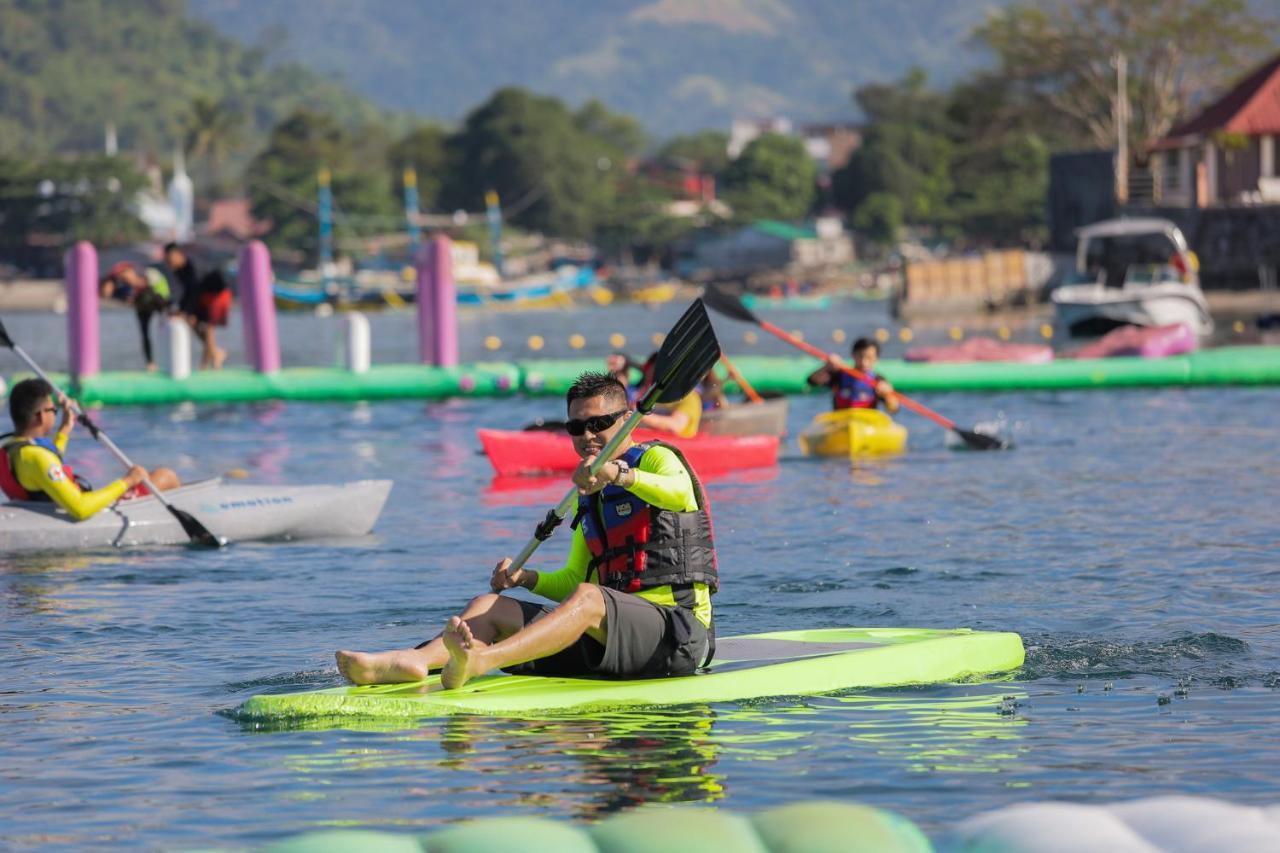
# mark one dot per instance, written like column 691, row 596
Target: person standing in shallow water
column 203, row 302
column 148, row 294
column 634, row 596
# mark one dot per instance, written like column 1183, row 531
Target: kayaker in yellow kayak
column 848, row 392
column 635, row 593
column 32, row 468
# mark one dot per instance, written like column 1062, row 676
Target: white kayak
column 238, row 511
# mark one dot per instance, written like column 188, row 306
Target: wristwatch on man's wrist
column 623, row 468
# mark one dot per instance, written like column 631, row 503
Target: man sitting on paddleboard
column 635, row 594
column 32, row 468
column 848, row 392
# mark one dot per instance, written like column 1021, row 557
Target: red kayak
column 534, row 452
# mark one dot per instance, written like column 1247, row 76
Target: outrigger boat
column 237, row 511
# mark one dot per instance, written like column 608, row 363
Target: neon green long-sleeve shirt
column 662, row 481
column 39, row 470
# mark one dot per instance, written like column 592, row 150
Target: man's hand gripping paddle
column 197, row 532
column 731, row 306
column 687, row 353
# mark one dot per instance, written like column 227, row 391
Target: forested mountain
column 676, row 65
column 68, row 67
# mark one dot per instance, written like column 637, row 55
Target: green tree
column 57, row 201
column 773, row 178
column 423, row 150
column 212, row 131
column 906, row 151
column 1061, row 55
column 620, row 133
column 1000, row 166
column 707, row 151
column 551, row 176
column 638, row 226
column 282, row 182
column 879, row 218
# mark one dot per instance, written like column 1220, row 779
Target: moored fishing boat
column 530, row 452
column 796, row 302
column 237, row 511
column 853, row 432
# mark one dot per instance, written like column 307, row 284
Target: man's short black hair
column 862, row 344
column 169, row 247
column 593, row 384
column 25, row 398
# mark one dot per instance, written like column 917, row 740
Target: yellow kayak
column 853, row 432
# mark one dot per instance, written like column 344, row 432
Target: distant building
column 830, row 145
column 1226, row 153
column 763, row 246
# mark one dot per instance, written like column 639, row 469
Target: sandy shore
column 46, row 294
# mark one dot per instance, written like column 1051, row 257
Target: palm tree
column 212, row 133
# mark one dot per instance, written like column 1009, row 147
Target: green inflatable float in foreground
column 814, row 827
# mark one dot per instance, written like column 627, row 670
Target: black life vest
column 9, row 484
column 635, row 545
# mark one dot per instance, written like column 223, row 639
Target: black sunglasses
column 598, row 424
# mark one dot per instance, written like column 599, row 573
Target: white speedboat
column 238, row 511
column 1131, row 272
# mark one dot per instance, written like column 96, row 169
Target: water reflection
column 588, row 767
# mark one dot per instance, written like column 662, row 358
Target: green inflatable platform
column 787, row 663
column 1223, row 366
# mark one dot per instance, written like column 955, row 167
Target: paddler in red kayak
column 848, row 392
column 32, row 468
column 634, row 596
column 681, row 418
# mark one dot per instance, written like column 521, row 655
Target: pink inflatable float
column 983, row 349
column 1144, row 342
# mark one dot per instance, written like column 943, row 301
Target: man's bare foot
column 394, row 667
column 463, row 652
column 219, row 356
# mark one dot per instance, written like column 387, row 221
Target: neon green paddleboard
column 787, row 663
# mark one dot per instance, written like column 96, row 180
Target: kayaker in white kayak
column 634, row 596
column 33, row 469
column 848, row 392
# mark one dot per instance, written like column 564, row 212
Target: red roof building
column 1226, row 153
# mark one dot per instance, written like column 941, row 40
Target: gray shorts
column 644, row 640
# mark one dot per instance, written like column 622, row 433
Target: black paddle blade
column 688, row 352
column 5, row 340
column 729, row 305
column 197, row 532
column 979, row 441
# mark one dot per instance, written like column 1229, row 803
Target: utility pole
column 1121, row 115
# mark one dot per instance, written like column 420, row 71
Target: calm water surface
column 1130, row 538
